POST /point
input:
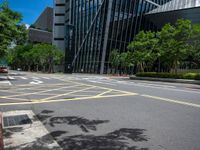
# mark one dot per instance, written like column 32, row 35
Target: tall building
column 87, row 30
column 41, row 30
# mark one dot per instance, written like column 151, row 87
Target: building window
column 59, row 39
column 59, row 24
column 60, row 4
column 59, row 14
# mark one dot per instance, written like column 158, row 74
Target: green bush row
column 193, row 76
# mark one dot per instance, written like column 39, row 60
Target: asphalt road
column 94, row 112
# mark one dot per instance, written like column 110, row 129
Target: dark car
column 3, row 69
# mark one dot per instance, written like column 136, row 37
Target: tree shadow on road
column 122, row 139
column 84, row 124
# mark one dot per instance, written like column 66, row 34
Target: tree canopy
column 167, row 48
column 35, row 57
column 12, row 31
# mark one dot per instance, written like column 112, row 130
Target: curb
column 1, row 131
column 166, row 80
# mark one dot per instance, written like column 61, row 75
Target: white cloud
column 27, row 26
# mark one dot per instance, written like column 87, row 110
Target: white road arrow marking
column 36, row 82
column 46, row 78
column 11, row 78
column 24, row 78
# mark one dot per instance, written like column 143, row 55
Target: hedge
column 192, row 76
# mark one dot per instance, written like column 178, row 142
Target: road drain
column 10, row 121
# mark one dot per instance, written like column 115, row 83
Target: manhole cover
column 16, row 120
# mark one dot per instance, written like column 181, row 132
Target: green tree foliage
column 11, row 29
column 195, row 45
column 16, row 56
column 126, row 60
column 35, row 57
column 114, row 58
column 145, row 51
column 46, row 55
column 174, row 43
column 167, row 48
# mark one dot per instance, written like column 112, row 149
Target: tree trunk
column 44, row 68
column 37, row 68
column 50, row 68
column 29, row 68
column 176, row 67
column 159, row 65
column 140, row 66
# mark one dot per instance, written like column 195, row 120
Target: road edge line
column 172, row 101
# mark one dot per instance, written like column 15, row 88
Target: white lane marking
column 157, row 85
column 133, row 83
column 46, row 78
column 170, row 88
column 36, row 78
column 5, row 82
column 24, row 78
column 11, row 78
column 171, row 100
column 36, row 82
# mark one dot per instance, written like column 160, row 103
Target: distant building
column 87, row 30
column 41, row 30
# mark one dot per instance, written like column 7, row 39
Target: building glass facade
column 102, row 25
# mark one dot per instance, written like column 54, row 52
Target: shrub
column 195, row 76
column 192, row 76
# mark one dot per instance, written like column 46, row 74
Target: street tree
column 126, row 60
column 114, row 59
column 46, row 55
column 18, row 56
column 195, row 45
column 174, row 43
column 145, row 51
column 12, row 31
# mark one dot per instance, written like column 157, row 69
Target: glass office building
column 92, row 28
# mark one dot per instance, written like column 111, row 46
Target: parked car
column 3, row 69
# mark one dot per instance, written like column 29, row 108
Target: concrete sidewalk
column 28, row 133
column 166, row 80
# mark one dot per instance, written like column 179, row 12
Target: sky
column 30, row 9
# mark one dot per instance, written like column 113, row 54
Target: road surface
column 95, row 112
